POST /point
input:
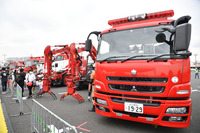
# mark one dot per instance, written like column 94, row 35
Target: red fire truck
column 143, row 69
column 16, row 65
column 31, row 63
column 13, row 65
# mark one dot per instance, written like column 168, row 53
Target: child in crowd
column 40, row 84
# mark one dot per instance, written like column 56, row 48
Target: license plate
column 133, row 107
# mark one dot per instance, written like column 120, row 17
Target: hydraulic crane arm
column 74, row 67
column 48, row 55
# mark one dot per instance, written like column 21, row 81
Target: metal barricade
column 45, row 121
column 20, row 100
column 11, row 88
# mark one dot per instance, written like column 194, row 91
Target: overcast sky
column 28, row 26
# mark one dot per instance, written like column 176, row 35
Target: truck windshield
column 59, row 58
column 140, row 42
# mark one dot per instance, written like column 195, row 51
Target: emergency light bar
column 162, row 14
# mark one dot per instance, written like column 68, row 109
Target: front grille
column 135, row 114
column 138, row 79
column 142, row 97
column 137, row 88
column 144, row 102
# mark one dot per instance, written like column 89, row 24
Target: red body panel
column 169, row 69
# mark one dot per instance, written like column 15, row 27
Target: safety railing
column 45, row 121
column 20, row 101
column 11, row 88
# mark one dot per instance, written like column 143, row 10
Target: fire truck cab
column 142, row 69
column 32, row 62
column 61, row 60
column 59, row 68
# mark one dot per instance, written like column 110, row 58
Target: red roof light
column 118, row 21
column 168, row 13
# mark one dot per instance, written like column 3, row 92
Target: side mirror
column 88, row 45
column 160, row 38
column 56, row 65
column 182, row 37
column 88, row 42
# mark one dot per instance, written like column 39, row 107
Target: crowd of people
column 29, row 80
column 19, row 77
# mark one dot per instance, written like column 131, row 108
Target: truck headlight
column 182, row 92
column 101, row 101
column 98, row 86
column 177, row 110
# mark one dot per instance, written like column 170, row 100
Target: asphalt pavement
column 89, row 122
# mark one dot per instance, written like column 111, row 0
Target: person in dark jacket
column 21, row 79
column 4, row 79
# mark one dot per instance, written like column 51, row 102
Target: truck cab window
column 105, row 48
column 138, row 41
column 59, row 58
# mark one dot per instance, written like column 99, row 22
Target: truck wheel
column 64, row 79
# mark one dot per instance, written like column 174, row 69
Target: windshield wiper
column 110, row 58
column 134, row 56
column 158, row 57
column 183, row 54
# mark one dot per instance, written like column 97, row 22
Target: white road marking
column 55, row 130
column 195, row 89
column 62, row 92
column 24, row 98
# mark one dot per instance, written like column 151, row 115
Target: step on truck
column 142, row 69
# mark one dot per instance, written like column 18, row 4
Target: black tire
column 64, row 79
